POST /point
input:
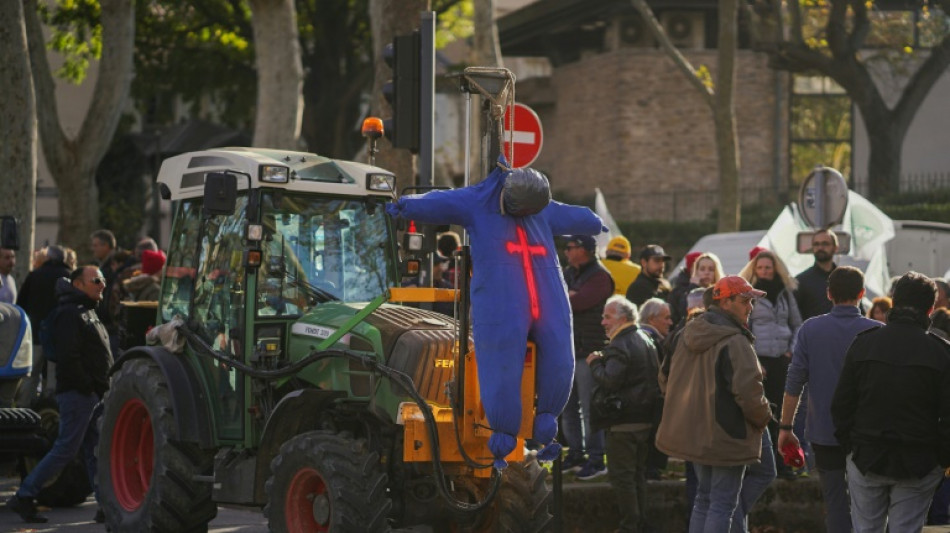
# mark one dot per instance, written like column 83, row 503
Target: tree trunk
column 721, row 102
column 279, row 74
column 72, row 162
column 486, row 49
column 727, row 144
column 389, row 18
column 884, row 161
column 486, row 52
column 17, row 131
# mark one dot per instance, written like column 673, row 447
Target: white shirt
column 7, row 289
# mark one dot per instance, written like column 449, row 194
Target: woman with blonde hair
column 774, row 321
column 706, row 271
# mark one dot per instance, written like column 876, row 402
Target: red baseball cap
column 735, row 286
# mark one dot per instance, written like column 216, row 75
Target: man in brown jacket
column 716, row 412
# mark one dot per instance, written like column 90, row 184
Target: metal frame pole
column 426, row 98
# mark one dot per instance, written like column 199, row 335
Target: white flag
column 600, row 207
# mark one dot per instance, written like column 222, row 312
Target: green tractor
column 286, row 371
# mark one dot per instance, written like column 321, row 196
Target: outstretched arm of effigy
column 435, row 207
column 567, row 219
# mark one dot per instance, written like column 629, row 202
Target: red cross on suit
column 527, row 250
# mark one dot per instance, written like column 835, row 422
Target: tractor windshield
column 317, row 249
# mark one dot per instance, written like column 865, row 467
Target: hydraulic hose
column 399, row 378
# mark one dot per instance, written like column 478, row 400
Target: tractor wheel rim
column 307, row 506
column 132, row 455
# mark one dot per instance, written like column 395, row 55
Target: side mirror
column 9, row 236
column 220, row 194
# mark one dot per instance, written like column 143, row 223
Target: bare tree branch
column 837, row 29
column 681, row 62
column 862, row 25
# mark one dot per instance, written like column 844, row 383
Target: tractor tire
column 322, row 481
column 71, row 486
column 146, row 479
column 524, row 499
column 522, row 504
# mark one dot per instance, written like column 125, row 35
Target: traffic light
column 403, row 91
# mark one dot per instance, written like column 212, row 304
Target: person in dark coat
column 589, row 284
column 37, row 296
column 891, row 412
column 626, row 369
column 650, row 283
column 82, row 379
column 812, row 293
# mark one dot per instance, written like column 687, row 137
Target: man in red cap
column 716, row 413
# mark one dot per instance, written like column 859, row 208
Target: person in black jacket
column 83, row 360
column 812, row 293
column 891, row 412
column 37, row 297
column 589, row 284
column 650, row 283
column 625, row 402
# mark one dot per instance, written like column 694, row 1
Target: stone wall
column 628, row 122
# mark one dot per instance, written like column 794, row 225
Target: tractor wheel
column 146, row 479
column 71, row 486
column 521, row 504
column 326, row 481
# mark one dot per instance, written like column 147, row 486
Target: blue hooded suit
column 518, row 292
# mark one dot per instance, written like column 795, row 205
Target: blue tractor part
column 16, row 342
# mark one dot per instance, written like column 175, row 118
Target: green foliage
column 455, row 22
column 75, row 33
column 198, row 51
column 705, row 76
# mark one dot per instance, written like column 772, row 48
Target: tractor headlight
column 381, row 182
column 274, row 174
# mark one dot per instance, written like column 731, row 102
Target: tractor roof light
column 381, row 182
column 274, row 174
column 372, row 127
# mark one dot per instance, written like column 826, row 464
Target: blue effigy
column 518, row 293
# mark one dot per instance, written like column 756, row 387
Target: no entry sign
column 522, row 145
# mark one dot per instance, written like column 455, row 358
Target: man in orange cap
column 716, row 413
column 618, row 262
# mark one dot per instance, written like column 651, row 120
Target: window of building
column 820, row 126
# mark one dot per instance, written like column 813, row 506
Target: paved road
column 79, row 519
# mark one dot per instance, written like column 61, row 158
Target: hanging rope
column 504, row 99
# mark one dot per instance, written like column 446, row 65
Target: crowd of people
column 746, row 377
column 757, row 376
column 74, row 312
